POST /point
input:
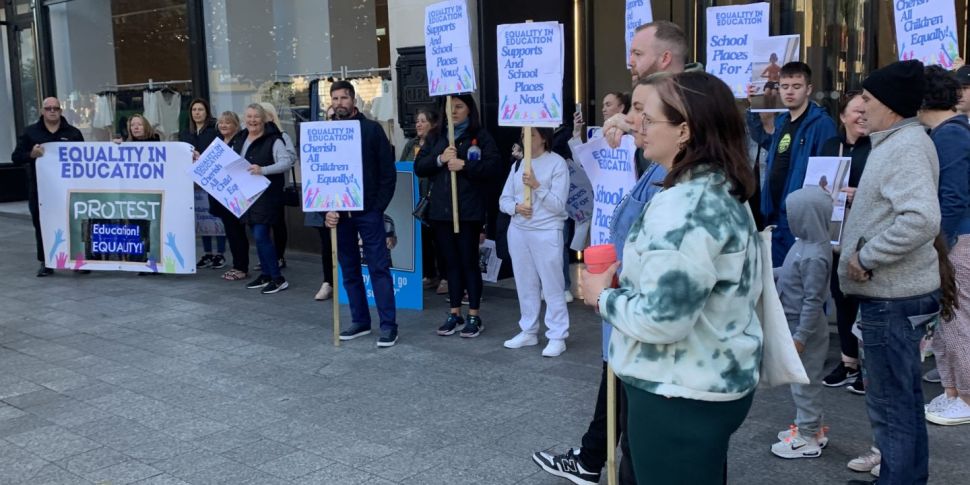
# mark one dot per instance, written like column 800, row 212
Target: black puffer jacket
column 37, row 134
column 200, row 139
column 474, row 180
column 266, row 209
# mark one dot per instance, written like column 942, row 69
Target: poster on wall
column 926, row 30
column 530, row 60
column 331, row 166
column 447, row 48
column 731, row 31
column 612, row 172
column 403, row 238
column 638, row 12
column 224, row 175
column 117, row 206
column 767, row 57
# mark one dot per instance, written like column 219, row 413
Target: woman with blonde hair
column 280, row 234
column 228, row 126
column 139, row 129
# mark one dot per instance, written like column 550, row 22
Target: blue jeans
column 369, row 225
column 266, row 251
column 220, row 244
column 891, row 333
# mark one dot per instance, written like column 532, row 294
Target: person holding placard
column 365, row 229
column 535, row 243
column 659, row 46
column 50, row 127
column 437, row 160
column 799, row 133
column 280, row 232
column 228, row 126
column 261, row 144
column 687, row 339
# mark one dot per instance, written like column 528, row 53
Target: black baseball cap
column 963, row 75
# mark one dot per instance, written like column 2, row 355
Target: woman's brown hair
column 717, row 133
column 948, row 280
column 149, row 131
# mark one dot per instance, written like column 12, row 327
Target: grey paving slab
column 52, row 442
column 99, row 382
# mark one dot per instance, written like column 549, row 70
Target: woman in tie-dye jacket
column 687, row 344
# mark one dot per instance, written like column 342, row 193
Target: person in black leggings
column 853, row 141
column 437, row 161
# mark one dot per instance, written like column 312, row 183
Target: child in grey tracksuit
column 803, row 287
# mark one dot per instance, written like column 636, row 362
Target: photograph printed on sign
column 831, row 174
column 767, row 57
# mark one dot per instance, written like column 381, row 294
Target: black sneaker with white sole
column 218, row 262
column 275, row 286
column 355, row 330
column 857, row 387
column 840, row 376
column 473, row 327
column 260, row 282
column 566, row 465
column 388, row 338
column 450, row 325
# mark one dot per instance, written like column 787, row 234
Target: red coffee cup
column 599, row 258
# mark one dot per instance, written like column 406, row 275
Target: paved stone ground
column 115, row 378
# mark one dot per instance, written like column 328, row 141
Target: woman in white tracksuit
column 536, row 243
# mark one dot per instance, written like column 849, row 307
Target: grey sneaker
column 932, row 376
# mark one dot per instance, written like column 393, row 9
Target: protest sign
column 332, row 166
column 638, row 12
column 406, row 271
column 530, row 60
column 579, row 204
column 767, row 57
column 926, row 30
column 730, row 32
column 206, row 224
column 447, row 48
column 224, row 174
column 612, row 172
column 121, row 207
column 830, row 174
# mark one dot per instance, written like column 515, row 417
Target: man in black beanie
column 889, row 262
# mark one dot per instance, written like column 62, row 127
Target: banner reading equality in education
column 447, row 48
column 120, row 207
column 224, row 174
column 638, row 12
column 926, row 30
column 530, row 60
column 612, row 172
column 331, row 166
column 730, row 34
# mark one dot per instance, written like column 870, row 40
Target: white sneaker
column 325, row 293
column 569, row 296
column 521, row 340
column 958, row 412
column 939, row 403
column 554, row 348
column 797, row 446
column 875, row 470
column 867, row 462
column 792, row 430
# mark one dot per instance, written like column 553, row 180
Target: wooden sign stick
column 454, row 175
column 610, row 426
column 527, row 163
column 336, row 288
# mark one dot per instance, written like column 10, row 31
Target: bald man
column 51, row 127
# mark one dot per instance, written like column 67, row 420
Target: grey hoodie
column 803, row 280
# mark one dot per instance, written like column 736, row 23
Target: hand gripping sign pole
column 454, row 175
column 336, row 288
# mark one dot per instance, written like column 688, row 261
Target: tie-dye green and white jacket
column 684, row 314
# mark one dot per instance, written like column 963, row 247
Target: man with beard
column 367, row 227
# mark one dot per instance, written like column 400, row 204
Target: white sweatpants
column 537, row 263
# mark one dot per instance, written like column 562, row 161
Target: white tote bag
column 780, row 363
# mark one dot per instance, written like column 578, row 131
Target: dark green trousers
column 676, row 440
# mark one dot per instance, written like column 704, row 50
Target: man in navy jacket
column 380, row 177
column 799, row 133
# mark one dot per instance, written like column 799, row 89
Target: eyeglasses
column 647, row 122
column 52, row 109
